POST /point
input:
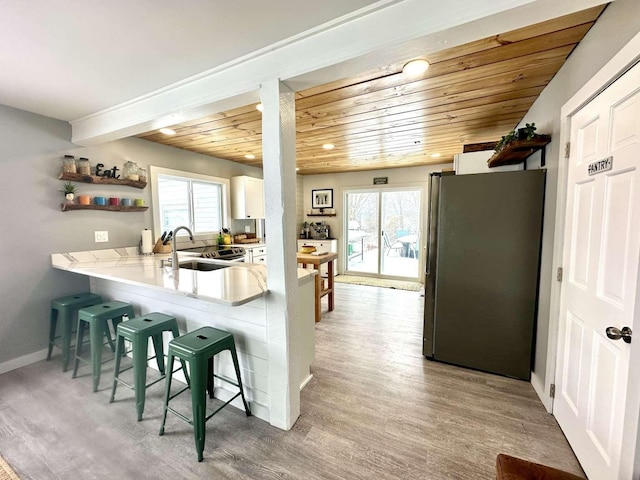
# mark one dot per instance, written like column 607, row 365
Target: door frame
column 421, row 223
column 622, row 62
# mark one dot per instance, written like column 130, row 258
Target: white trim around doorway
column 622, row 62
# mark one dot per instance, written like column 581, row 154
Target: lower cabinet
column 330, row 245
column 256, row 254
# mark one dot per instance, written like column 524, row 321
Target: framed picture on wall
column 322, row 198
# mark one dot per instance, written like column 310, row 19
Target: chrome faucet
column 174, row 252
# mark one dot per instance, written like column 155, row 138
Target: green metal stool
column 198, row 348
column 97, row 317
column 137, row 331
column 65, row 310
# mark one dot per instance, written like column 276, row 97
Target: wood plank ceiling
column 472, row 93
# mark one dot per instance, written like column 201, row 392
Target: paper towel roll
column 147, row 242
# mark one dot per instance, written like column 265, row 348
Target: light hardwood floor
column 374, row 409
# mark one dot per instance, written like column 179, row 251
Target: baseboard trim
column 306, row 381
column 538, row 386
column 23, row 361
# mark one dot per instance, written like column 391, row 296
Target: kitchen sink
column 202, row 266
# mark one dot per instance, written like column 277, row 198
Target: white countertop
column 235, row 285
column 247, row 246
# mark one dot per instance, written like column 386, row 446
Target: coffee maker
column 320, row 230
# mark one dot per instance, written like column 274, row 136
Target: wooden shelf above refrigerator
column 79, row 177
column 518, row 151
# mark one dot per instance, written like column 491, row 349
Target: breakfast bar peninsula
column 225, row 295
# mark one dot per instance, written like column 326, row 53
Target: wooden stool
column 198, row 349
column 512, row 468
column 137, row 331
column 97, row 317
column 65, row 309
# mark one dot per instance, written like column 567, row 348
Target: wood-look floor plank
column 375, row 408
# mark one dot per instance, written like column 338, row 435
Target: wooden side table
column 317, row 260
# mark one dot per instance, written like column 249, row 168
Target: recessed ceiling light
column 248, row 156
column 328, row 146
column 259, row 107
column 415, row 68
column 436, row 155
column 167, row 131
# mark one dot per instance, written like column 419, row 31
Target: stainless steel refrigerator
column 483, row 263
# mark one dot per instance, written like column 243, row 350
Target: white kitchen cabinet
column 476, row 162
column 247, row 197
column 330, row 246
column 257, row 254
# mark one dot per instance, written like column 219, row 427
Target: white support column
column 278, row 154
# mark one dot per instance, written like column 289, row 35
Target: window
column 183, row 198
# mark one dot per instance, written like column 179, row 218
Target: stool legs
column 52, row 331
column 66, row 342
column 62, row 316
column 116, row 368
column 138, row 331
column 210, row 370
column 158, row 346
column 79, row 337
column 196, row 383
column 140, row 346
column 167, row 392
column 198, row 404
column 65, row 317
column 199, row 388
column 96, row 334
column 236, row 366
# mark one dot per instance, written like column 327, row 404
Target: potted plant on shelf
column 528, row 132
column 69, row 190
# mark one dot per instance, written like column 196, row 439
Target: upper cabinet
column 247, row 197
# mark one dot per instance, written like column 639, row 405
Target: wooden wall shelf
column 79, row 177
column 110, row 208
column 518, row 151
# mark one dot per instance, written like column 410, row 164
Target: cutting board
column 240, row 239
column 249, row 240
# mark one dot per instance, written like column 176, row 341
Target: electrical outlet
column 247, row 229
column 102, row 236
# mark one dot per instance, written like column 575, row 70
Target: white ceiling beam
column 368, row 30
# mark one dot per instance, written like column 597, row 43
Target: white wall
column 616, row 26
column 339, row 182
column 31, row 147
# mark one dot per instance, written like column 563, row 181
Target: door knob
column 614, row 334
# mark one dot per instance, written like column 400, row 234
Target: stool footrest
column 125, row 369
column 222, row 406
column 155, row 381
column 178, row 414
column 88, row 362
column 226, row 380
column 119, row 380
column 124, row 383
column 206, row 419
column 181, row 391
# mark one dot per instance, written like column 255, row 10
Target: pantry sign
column 600, row 166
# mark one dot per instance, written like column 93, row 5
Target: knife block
column 160, row 248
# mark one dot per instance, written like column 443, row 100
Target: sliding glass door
column 383, row 232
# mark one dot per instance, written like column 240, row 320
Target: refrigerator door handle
column 433, row 179
column 428, row 272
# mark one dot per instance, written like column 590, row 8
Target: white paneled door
column 599, row 293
